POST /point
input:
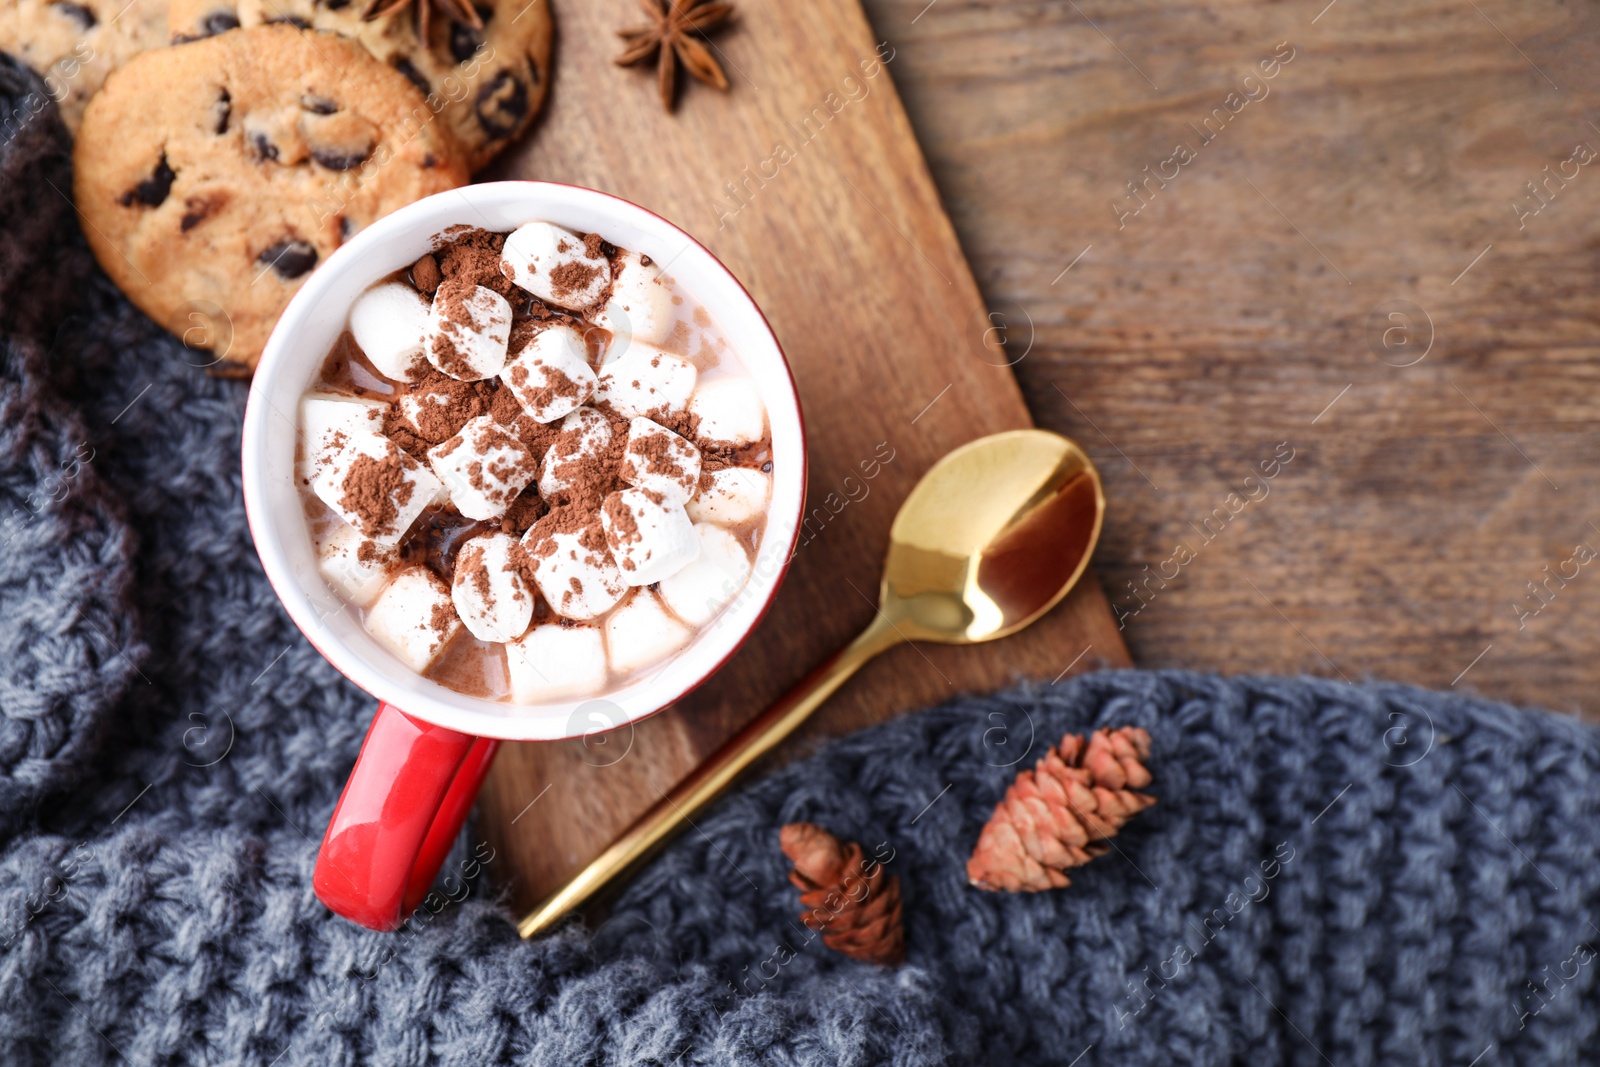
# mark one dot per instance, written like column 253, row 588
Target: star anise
column 456, row 10
column 670, row 38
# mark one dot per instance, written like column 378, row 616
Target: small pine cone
column 1059, row 814
column 852, row 902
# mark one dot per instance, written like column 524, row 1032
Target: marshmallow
column 729, row 409
column 489, row 592
column 734, row 495
column 324, row 414
column 644, row 378
column 641, row 634
column 551, row 376
column 554, row 265
column 484, row 467
column 640, row 305
column 468, row 342
column 356, row 567
column 580, row 583
column 659, row 460
column 696, row 593
column 650, row 537
column 585, row 432
column 553, row 662
column 413, row 617
column 390, row 323
column 372, row 485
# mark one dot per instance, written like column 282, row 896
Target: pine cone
column 852, row 902
column 1059, row 814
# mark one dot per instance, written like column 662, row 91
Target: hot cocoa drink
column 533, row 465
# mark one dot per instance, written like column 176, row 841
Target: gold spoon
column 992, row 537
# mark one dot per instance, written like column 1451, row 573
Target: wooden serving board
column 806, row 180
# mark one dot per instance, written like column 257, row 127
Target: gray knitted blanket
column 1334, row 874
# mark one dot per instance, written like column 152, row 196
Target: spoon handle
column 707, row 781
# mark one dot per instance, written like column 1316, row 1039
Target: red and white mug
column 429, row 747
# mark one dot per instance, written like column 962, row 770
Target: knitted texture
column 1345, row 874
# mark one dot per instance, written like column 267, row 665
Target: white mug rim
column 393, row 682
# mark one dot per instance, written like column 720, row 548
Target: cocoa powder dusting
column 375, row 489
column 572, row 277
column 657, row 454
column 524, row 511
column 425, row 275
column 474, row 258
column 452, row 302
column 624, row 527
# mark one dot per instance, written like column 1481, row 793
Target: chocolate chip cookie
column 213, row 177
column 486, row 84
column 75, row 44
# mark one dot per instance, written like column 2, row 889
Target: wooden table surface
column 1252, row 303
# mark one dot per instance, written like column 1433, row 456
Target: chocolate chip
column 195, row 209
column 154, row 189
column 213, row 24
column 334, row 5
column 464, row 41
column 77, row 13
column 261, row 146
column 290, row 20
column 289, row 259
column 428, row 162
column 413, row 75
column 347, row 228
column 318, row 105
column 222, row 109
column 501, row 105
column 334, row 159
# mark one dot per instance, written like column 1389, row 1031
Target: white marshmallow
column 390, row 324
column 580, row 583
column 488, row 589
column 696, row 593
column 675, row 474
column 324, row 414
column 478, row 339
column 641, row 634
column 730, row 409
column 553, row 662
column 734, row 495
column 484, row 467
column 403, row 619
column 414, row 489
column 644, row 378
column 534, row 254
column 551, row 376
column 585, row 432
column 356, row 567
column 640, row 305
column 649, row 540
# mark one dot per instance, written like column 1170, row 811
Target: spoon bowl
column 993, row 536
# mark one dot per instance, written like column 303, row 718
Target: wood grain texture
column 1234, row 309
column 840, row 236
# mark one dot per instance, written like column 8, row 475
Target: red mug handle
column 407, row 798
